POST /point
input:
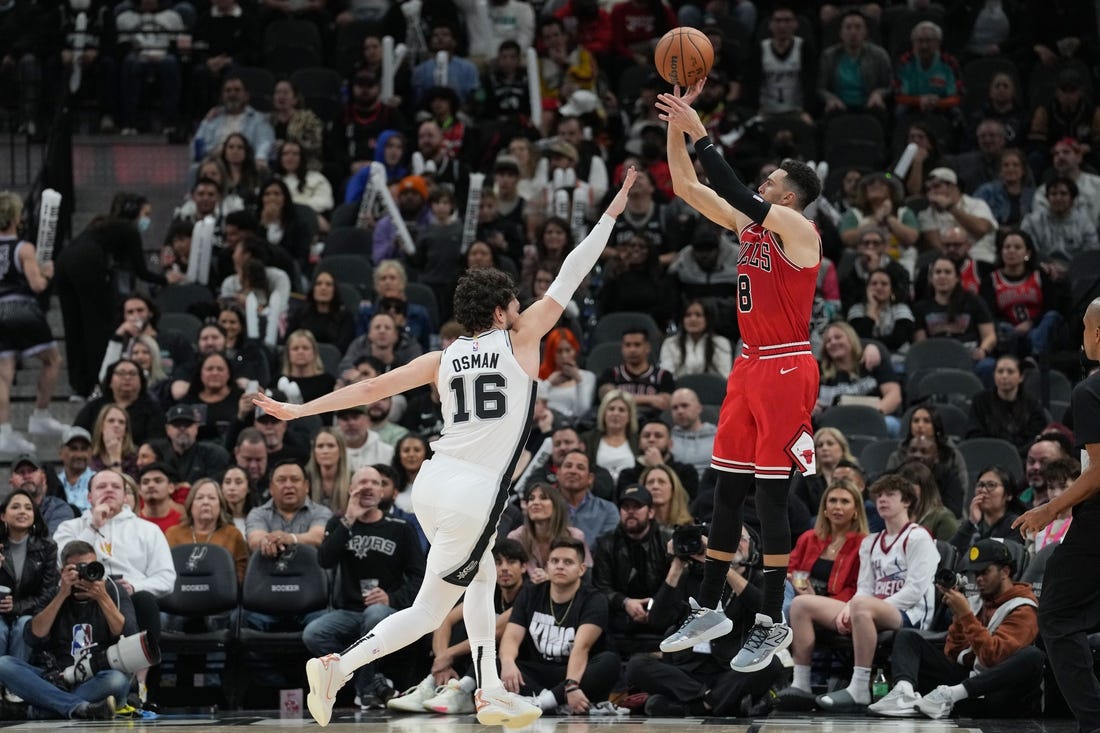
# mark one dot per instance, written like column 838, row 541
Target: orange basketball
column 684, row 56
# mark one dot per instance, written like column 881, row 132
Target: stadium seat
column 290, row 32
column 935, row 353
column 184, row 324
column 180, row 298
column 602, row 356
column 854, row 139
column 945, row 386
column 982, row 452
column 353, row 269
column 282, row 60
column 1061, row 389
column 317, row 81
column 874, row 457
column 425, row 296
column 260, row 84
column 206, row 585
column 345, row 216
column 351, row 295
column 610, row 327
column 710, row 388
column 956, row 422
column 348, row 241
column 854, row 420
column 330, row 357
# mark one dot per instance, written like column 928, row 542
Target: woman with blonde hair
column 206, row 520
column 302, row 365
column 670, row 498
column 328, row 472
column 825, row 559
column 844, row 373
column 112, row 444
column 545, row 519
column 613, row 443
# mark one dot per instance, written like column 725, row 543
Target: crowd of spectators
column 340, row 216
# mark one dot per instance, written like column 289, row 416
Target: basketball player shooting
column 487, row 388
column 764, row 430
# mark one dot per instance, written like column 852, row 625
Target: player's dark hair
column 510, row 549
column 478, row 294
column 802, row 180
column 571, row 542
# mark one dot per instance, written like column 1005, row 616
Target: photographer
column 699, row 681
column 988, row 653
column 84, row 612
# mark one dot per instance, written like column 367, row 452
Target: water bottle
column 879, row 686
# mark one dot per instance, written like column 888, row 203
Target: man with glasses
column 872, row 256
column 987, row 664
column 949, row 207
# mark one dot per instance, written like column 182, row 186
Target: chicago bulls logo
column 801, row 452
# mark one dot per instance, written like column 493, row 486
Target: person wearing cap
column 462, row 75
column 1067, row 157
column 28, row 474
column 412, row 197
column 1068, row 113
column 948, row 207
column 988, row 659
column 157, row 483
column 699, row 681
column 76, row 449
column 192, row 459
column 630, row 563
column 926, row 80
column 364, row 446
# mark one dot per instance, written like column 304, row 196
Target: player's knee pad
column 771, row 507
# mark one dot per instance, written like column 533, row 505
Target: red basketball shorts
column 764, row 425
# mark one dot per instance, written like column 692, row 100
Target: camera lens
column 946, row 577
column 90, row 571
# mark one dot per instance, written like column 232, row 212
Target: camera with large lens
column 129, row 655
column 687, row 540
column 950, row 580
column 90, row 571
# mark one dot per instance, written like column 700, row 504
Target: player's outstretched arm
column 541, row 316
column 749, row 206
column 421, row 370
column 685, row 183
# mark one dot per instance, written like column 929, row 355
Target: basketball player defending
column 487, row 387
column 764, row 425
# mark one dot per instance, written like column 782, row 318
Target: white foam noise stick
column 202, row 245
column 379, row 176
column 534, row 87
column 49, row 211
column 901, row 170
column 473, row 204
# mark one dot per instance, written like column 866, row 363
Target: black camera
column 949, row 579
column 687, row 540
column 90, row 571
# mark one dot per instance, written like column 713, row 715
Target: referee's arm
column 1085, row 487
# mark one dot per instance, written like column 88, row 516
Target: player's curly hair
column 478, row 294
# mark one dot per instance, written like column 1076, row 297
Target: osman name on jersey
column 475, row 361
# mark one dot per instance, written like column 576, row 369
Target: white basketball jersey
column 780, row 82
column 890, row 568
column 487, row 401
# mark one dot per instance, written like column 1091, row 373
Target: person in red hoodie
column 588, row 24
column 825, row 559
column 988, row 659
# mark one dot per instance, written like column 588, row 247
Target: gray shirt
column 266, row 518
column 694, row 447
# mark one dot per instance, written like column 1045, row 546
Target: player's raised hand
column 676, row 110
column 619, row 202
column 281, row 410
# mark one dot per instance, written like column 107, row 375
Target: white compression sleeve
column 580, row 262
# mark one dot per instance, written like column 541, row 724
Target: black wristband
column 725, row 182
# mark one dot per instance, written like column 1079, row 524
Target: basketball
column 684, row 56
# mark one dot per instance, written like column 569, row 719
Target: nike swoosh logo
column 788, row 370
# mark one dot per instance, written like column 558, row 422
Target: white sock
column 802, row 677
column 857, row 688
column 958, row 693
column 467, row 684
column 905, row 687
column 546, row 701
column 41, row 412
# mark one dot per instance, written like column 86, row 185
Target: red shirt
column 775, row 297
column 170, row 520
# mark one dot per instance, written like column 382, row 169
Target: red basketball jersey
column 774, row 296
column 1018, row 300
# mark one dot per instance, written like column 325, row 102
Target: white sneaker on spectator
column 451, row 700
column 45, row 424
column 13, row 442
column 412, row 700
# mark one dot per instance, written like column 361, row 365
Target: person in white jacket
column 133, row 551
column 897, row 567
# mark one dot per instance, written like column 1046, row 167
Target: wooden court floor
column 377, row 722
